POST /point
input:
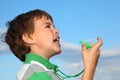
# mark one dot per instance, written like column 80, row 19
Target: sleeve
column 40, row 76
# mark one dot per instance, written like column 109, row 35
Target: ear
column 27, row 38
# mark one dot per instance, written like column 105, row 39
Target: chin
column 57, row 52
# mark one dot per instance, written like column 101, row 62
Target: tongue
column 55, row 40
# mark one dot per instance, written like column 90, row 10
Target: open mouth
column 57, row 39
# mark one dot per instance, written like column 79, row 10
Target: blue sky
column 76, row 20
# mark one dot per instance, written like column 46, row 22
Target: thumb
column 84, row 49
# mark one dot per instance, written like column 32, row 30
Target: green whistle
column 86, row 43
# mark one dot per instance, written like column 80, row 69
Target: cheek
column 45, row 39
column 48, row 35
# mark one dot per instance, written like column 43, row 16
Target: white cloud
column 110, row 52
column 108, row 67
column 3, row 45
column 74, row 68
column 2, row 30
column 76, row 49
column 73, row 61
column 69, row 46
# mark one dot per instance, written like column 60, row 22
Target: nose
column 56, row 31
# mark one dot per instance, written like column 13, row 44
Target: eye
column 47, row 26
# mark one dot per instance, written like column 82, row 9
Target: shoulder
column 36, row 71
column 33, row 69
column 40, row 75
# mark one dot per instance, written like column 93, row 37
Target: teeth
column 57, row 39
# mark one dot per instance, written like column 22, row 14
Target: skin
column 45, row 42
column 90, row 59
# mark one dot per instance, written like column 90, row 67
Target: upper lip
column 57, row 38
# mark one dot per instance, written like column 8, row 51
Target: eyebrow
column 48, row 23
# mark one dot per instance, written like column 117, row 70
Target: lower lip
column 58, row 43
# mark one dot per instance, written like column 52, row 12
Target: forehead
column 42, row 21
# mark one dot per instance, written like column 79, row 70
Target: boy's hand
column 90, row 59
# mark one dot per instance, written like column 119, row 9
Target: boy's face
column 46, row 38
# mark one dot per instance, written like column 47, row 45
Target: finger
column 99, row 44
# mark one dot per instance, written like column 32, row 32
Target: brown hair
column 23, row 23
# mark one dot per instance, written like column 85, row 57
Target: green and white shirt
column 37, row 68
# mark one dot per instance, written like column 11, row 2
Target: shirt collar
column 34, row 57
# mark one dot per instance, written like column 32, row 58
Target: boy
column 33, row 38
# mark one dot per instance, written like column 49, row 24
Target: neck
column 41, row 54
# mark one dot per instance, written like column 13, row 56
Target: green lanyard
column 63, row 75
column 31, row 56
